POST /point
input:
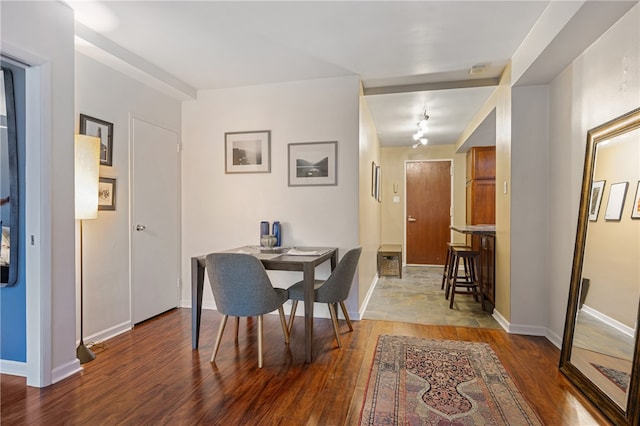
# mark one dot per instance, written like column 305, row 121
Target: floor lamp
column 87, row 171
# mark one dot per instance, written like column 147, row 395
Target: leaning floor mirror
column 600, row 349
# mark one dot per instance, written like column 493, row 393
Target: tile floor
column 418, row 298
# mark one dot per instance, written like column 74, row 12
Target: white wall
column 221, row 211
column 529, row 218
column 51, row 315
column 106, row 94
column 601, row 84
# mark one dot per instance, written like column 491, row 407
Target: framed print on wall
column 596, row 198
column 635, row 208
column 313, row 164
column 617, row 193
column 247, row 152
column 103, row 130
column 107, row 194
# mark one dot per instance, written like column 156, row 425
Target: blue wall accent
column 13, row 300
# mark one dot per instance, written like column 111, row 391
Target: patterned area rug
column 417, row 381
column 619, row 378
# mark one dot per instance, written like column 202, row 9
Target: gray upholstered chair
column 241, row 288
column 334, row 290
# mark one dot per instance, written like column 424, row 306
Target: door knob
column 140, row 227
column 411, row 219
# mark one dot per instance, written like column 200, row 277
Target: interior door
column 428, row 211
column 154, row 240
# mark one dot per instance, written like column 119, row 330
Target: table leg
column 309, row 278
column 197, row 287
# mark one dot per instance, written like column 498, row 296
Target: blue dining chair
column 241, row 288
column 334, row 290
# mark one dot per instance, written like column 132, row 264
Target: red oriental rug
column 417, row 381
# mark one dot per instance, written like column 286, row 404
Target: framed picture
column 635, row 208
column 616, row 200
column 378, row 183
column 247, row 152
column 373, row 179
column 103, row 130
column 107, row 194
column 594, row 201
column 313, row 164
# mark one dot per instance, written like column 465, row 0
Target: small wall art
column 617, row 192
column 247, row 152
column 635, row 208
column 103, row 130
column 313, row 164
column 596, row 198
column 107, row 194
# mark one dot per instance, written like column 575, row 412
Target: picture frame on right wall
column 635, row 208
column 617, row 192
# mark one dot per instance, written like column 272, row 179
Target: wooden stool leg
column 447, row 267
column 452, row 282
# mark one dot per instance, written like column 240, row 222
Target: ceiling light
column 415, row 145
column 424, row 141
column 477, row 69
column 417, row 135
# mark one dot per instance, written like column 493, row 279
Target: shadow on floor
column 418, row 298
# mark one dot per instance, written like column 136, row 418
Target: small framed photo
column 616, row 201
column 313, row 164
column 373, row 179
column 247, row 152
column 635, row 208
column 107, row 194
column 103, row 130
column 379, row 184
column 596, row 198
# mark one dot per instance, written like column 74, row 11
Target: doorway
column 155, row 220
column 428, row 211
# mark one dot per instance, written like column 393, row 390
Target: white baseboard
column 628, row 331
column 13, row 368
column 367, row 297
column 527, row 330
column 554, row 338
column 108, row 333
column 64, row 371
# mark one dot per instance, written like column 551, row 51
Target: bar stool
column 446, row 271
column 470, row 280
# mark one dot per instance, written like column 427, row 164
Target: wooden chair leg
column 237, row 328
column 334, row 320
column 294, row 306
column 216, row 346
column 259, row 341
column 346, row 316
column 283, row 321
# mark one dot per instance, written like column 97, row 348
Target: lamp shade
column 87, row 172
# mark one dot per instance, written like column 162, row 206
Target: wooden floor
column 151, row 376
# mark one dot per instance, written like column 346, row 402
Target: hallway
column 418, row 298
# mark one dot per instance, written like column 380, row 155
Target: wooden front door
column 428, row 211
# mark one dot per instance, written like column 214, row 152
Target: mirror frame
column 631, row 416
column 12, row 151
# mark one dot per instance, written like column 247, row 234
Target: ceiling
column 401, row 50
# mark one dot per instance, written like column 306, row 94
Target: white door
column 154, row 219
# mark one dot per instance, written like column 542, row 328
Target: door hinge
column 178, row 282
column 177, row 147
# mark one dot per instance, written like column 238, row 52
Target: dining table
column 303, row 259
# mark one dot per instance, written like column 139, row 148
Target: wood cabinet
column 481, row 210
column 481, row 185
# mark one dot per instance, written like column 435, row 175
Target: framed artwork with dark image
column 103, row 130
column 635, row 208
column 596, row 198
column 107, row 194
column 247, row 152
column 617, row 192
column 313, row 164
